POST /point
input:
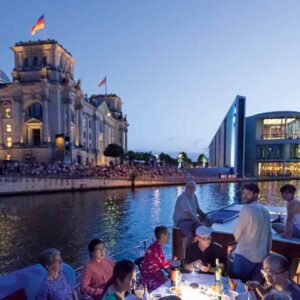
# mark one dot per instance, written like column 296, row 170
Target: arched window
column 35, row 110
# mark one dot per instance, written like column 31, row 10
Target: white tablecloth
column 204, row 281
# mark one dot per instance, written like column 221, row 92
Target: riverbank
column 14, row 185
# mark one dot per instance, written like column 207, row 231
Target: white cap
column 203, row 231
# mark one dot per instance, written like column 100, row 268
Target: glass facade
column 274, row 151
column 280, row 128
column 292, row 128
column 279, row 169
column 273, row 129
column 294, row 151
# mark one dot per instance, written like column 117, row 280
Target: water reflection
column 122, row 218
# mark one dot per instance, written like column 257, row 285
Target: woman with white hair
column 55, row 286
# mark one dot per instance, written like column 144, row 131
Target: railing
column 142, row 246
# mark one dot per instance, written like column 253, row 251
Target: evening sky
column 176, row 64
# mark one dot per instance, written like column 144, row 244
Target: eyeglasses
column 206, row 237
column 271, row 273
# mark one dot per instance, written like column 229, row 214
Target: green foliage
column 182, row 157
column 114, row 150
column 146, row 156
column 167, row 159
column 202, row 159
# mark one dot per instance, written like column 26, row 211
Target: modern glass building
column 266, row 144
column 227, row 147
column 273, row 144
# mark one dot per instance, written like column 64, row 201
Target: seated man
column 97, row 272
column 292, row 226
column 155, row 261
column 203, row 252
column 276, row 273
column 187, row 214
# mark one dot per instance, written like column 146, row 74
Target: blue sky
column 176, row 64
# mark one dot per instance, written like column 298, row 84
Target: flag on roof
column 40, row 24
column 102, row 82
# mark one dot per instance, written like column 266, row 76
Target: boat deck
column 223, row 232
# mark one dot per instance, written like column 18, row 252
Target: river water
column 121, row 217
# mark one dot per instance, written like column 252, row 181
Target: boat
column 226, row 219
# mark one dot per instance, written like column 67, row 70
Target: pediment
column 33, row 121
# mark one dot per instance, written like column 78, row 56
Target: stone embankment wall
column 19, row 185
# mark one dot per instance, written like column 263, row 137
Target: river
column 121, row 217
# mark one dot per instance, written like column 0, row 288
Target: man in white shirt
column 187, row 214
column 253, row 235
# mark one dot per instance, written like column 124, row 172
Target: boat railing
column 139, row 249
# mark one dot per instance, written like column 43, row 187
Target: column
column 46, row 135
column 1, row 129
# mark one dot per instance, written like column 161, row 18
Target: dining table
column 201, row 286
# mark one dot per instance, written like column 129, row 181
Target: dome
column 3, row 78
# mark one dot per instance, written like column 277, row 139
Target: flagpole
column 105, row 86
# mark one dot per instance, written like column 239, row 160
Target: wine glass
column 139, row 290
column 232, row 283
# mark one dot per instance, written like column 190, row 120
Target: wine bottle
column 218, row 271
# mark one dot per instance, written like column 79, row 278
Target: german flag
column 40, row 24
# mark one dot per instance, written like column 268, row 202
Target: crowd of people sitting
column 110, row 171
column 265, row 273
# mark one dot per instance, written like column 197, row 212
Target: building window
column 7, row 156
column 90, row 136
column 292, row 128
column 84, row 134
column 274, row 151
column 294, row 151
column 9, row 141
column 45, row 60
column 7, row 112
column 35, row 61
column 25, row 62
column 273, row 129
column 35, row 110
column 8, row 128
column 90, row 124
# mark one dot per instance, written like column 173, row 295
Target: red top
column 154, row 262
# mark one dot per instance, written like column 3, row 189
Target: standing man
column 187, row 214
column 292, row 225
column 253, row 235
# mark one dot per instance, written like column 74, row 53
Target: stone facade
column 45, row 115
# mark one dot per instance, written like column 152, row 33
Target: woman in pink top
column 97, row 272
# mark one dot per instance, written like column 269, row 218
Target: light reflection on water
column 122, row 218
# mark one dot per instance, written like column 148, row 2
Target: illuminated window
column 273, row 129
column 9, row 141
column 8, row 157
column 8, row 112
column 8, row 127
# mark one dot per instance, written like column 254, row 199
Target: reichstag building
column 45, row 115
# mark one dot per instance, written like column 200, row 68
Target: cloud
column 173, row 138
column 196, row 142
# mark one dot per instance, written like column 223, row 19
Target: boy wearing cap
column 203, row 252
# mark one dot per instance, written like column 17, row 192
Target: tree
column 184, row 158
column 114, row 150
column 167, row 159
column 202, row 159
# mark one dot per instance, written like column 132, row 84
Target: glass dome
column 3, row 78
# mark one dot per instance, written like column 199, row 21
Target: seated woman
column 121, row 282
column 155, row 262
column 55, row 286
column 97, row 272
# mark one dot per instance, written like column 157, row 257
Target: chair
column 139, row 262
